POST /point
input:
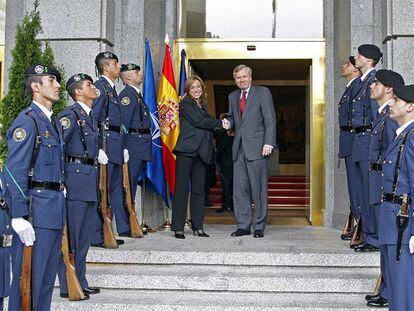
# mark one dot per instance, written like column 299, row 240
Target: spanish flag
column 167, row 101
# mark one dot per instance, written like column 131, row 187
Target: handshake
column 225, row 124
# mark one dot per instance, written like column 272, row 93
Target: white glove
column 411, row 244
column 24, row 230
column 126, row 155
column 102, row 157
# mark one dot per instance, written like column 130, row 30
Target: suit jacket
column 135, row 115
column 196, row 126
column 382, row 128
column 387, row 226
column 257, row 127
column 115, row 140
column 81, row 180
column 47, row 206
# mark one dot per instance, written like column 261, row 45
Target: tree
column 27, row 51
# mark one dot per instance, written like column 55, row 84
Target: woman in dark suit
column 194, row 150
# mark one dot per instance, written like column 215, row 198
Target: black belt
column 361, row 129
column 46, row 185
column 112, row 128
column 81, row 160
column 392, row 198
column 347, row 128
column 6, row 240
column 375, row 166
column 139, row 131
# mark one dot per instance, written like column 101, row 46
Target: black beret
column 352, row 60
column 389, row 78
column 129, row 66
column 405, row 92
column 41, row 70
column 105, row 55
column 76, row 78
column 370, row 51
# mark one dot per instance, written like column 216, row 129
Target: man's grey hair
column 241, row 67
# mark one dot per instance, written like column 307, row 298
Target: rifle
column 402, row 223
column 378, row 283
column 136, row 231
column 74, row 288
column 108, row 233
column 347, row 231
column 26, row 280
column 357, row 238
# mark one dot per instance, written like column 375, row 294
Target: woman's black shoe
column 179, row 235
column 200, row 233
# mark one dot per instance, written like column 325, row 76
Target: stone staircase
column 291, row 268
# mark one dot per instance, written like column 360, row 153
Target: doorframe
column 312, row 49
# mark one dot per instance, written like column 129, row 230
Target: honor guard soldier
column 80, row 134
column 107, row 111
column 34, row 178
column 364, row 112
column 5, row 245
column 346, row 139
column 382, row 135
column 396, row 227
column 136, row 118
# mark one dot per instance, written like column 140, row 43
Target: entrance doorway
column 296, row 182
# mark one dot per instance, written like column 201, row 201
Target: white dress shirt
column 46, row 111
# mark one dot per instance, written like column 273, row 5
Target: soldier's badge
column 65, row 123
column 125, row 101
column 39, row 69
column 98, row 92
column 19, row 135
column 47, row 134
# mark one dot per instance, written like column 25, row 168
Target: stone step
column 233, row 278
column 148, row 300
column 301, row 256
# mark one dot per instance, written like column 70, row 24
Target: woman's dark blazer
column 196, row 126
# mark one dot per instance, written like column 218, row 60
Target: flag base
column 165, row 227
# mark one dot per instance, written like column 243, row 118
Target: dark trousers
column 352, row 185
column 45, row 262
column 1, row 304
column 116, row 200
column 189, row 170
column 226, row 174
column 362, row 182
column 80, row 214
column 135, row 167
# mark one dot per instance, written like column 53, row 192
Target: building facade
column 302, row 58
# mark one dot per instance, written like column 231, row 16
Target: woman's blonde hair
column 190, row 82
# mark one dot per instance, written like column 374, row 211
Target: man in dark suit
column 252, row 115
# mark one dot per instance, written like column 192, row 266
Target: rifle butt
column 136, row 230
column 108, row 235
column 378, row 283
column 26, row 279
column 357, row 238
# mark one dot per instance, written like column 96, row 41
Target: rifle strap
column 36, row 149
column 80, row 124
column 399, row 158
column 380, row 131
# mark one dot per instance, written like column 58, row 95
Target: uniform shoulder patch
column 125, row 101
column 19, row 134
column 65, row 123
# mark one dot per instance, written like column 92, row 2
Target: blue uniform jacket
column 364, row 111
column 346, row 138
column 115, row 140
column 47, row 205
column 387, row 227
column 81, row 180
column 135, row 115
column 384, row 128
column 5, row 229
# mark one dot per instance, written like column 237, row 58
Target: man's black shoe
column 381, row 302
column 258, row 234
column 91, row 290
column 120, row 242
column 372, row 297
column 126, row 234
column 240, row 232
column 366, row 248
column 62, row 295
